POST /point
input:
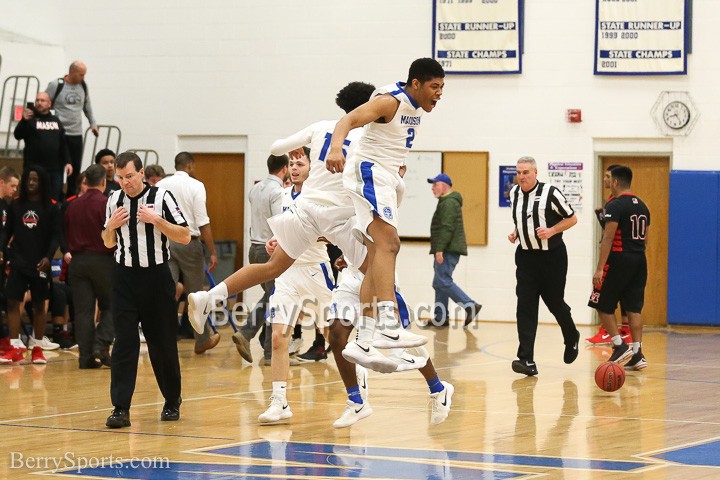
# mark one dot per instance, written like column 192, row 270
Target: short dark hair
column 610, row 167
column 623, row 175
column 103, row 153
column 94, row 175
column 353, row 95
column 154, row 171
column 307, row 151
column 183, row 159
column 275, row 163
column 424, row 69
column 6, row 173
column 124, row 158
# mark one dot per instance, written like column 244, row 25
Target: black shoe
column 171, row 412
column 89, row 363
column 471, row 313
column 621, row 353
column 64, row 339
column 314, row 354
column 525, row 367
column 120, row 417
column 571, row 350
column 103, row 356
column 440, row 323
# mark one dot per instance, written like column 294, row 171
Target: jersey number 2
column 410, row 137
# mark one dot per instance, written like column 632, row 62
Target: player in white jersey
column 303, row 289
column 391, row 119
column 326, row 212
column 344, row 314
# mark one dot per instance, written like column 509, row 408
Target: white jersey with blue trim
column 387, row 144
column 315, row 254
column 322, row 187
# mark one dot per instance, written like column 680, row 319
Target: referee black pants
column 145, row 296
column 541, row 274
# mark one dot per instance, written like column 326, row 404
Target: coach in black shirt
column 140, row 221
column 540, row 213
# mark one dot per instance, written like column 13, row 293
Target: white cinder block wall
column 263, row 70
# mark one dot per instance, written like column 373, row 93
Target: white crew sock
column 636, row 346
column 617, row 340
column 219, row 292
column 386, row 315
column 365, row 331
column 279, row 389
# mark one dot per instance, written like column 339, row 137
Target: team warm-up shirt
column 33, row 230
column 317, row 253
column 387, row 144
column 543, row 206
column 140, row 244
column 633, row 219
column 322, row 186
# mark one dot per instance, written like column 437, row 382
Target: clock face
column 676, row 115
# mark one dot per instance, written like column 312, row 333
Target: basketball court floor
column 664, row 423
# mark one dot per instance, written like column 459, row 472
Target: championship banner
column 478, row 36
column 640, row 37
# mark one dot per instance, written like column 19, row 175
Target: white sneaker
column 294, row 345
column 406, row 361
column 368, row 358
column 353, row 412
column 198, row 309
column 397, row 337
column 441, row 402
column 278, row 410
column 45, row 344
column 362, row 378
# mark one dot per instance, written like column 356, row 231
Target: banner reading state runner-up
column 640, row 37
column 477, row 36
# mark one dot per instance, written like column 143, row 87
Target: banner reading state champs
column 477, row 36
column 640, row 37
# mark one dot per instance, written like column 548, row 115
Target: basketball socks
column 386, row 313
column 354, row 395
column 617, row 340
column 279, row 389
column 365, row 332
column 435, row 385
column 219, row 291
column 636, row 346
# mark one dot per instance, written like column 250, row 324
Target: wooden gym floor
column 663, row 424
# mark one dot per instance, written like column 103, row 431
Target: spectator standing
column 265, row 202
column 153, row 174
column 106, row 158
column 540, row 213
column 70, row 99
column 8, row 186
column 45, row 142
column 187, row 262
column 34, row 231
column 140, row 220
column 447, row 243
column 90, row 270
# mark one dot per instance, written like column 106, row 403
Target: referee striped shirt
column 140, row 244
column 543, row 206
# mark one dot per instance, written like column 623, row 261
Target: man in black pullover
column 45, row 146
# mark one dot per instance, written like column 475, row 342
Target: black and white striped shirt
column 140, row 244
column 543, row 206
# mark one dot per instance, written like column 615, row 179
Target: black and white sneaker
column 621, row 353
column 637, row 362
column 525, row 367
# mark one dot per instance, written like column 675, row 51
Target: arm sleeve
column 87, row 108
column 200, row 207
column 276, row 202
column 171, row 210
column 21, row 130
column 64, row 152
column 447, row 212
column 296, row 140
column 559, row 203
column 56, row 238
column 108, row 211
column 51, row 89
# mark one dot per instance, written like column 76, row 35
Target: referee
column 140, row 220
column 540, row 213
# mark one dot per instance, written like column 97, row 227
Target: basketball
column 609, row 376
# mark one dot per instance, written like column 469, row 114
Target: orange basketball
column 609, row 376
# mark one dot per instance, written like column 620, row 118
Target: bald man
column 45, row 145
column 70, row 98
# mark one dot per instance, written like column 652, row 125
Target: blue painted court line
column 706, row 455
